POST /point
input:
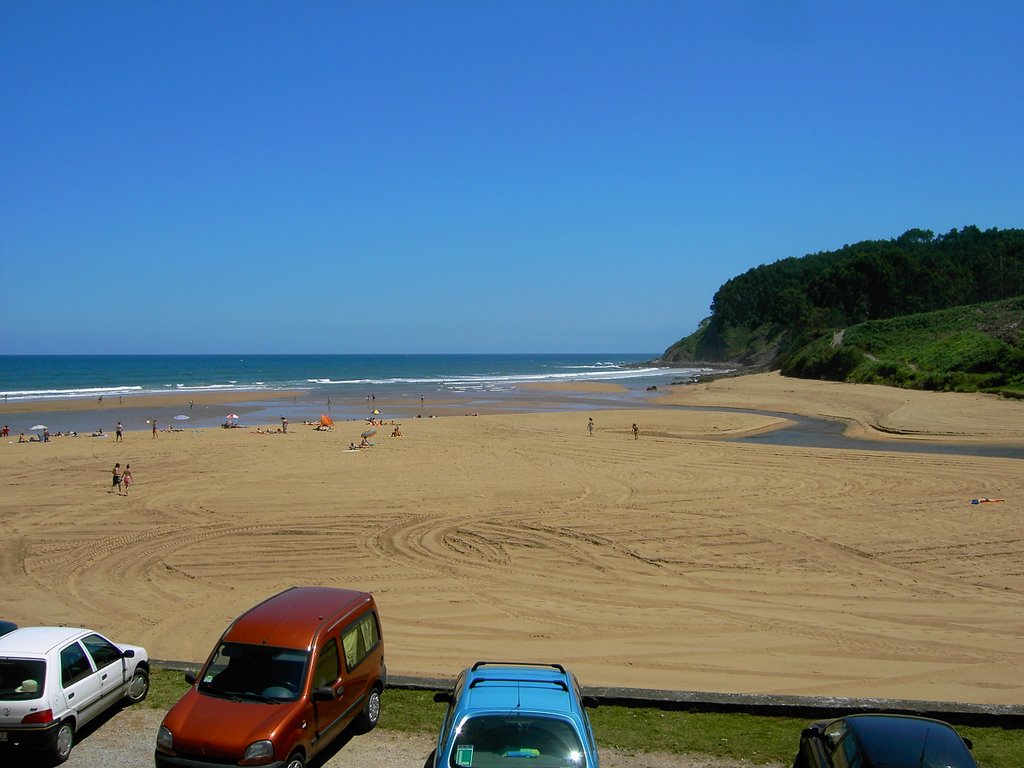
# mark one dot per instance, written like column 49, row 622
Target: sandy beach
column 679, row 560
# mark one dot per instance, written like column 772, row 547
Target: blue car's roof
column 505, row 688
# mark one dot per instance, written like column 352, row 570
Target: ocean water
column 44, row 377
column 303, row 386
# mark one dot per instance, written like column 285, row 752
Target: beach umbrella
column 326, row 421
column 40, row 426
column 376, row 411
column 369, row 433
column 231, row 416
column 181, row 417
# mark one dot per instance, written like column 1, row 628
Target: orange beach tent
column 326, row 421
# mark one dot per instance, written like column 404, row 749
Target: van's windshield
column 255, row 673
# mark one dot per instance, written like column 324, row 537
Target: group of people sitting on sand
column 45, row 437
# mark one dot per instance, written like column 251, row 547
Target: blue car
column 883, row 741
column 525, row 715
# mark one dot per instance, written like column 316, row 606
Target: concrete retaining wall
column 805, row 707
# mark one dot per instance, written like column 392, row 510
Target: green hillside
column 822, row 315
column 978, row 347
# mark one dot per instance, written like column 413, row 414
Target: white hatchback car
column 54, row 680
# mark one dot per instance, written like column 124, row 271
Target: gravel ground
column 126, row 740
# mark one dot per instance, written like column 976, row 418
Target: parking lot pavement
column 126, row 740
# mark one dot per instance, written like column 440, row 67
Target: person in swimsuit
column 116, row 479
column 126, row 478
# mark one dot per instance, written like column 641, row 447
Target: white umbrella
column 231, row 416
column 181, row 417
column 40, row 426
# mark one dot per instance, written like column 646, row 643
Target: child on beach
column 126, row 478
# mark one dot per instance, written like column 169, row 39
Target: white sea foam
column 38, row 394
column 598, row 372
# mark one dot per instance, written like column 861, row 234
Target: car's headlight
column 258, row 752
column 164, row 739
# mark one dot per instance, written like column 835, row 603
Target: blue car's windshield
column 900, row 743
column 526, row 741
column 255, row 672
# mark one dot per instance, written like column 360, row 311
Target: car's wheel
column 295, row 761
column 368, row 718
column 430, row 759
column 63, row 740
column 138, row 688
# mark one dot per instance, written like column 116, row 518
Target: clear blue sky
column 472, row 176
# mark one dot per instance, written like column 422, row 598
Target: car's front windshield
column 498, row 741
column 21, row 679
column 255, row 672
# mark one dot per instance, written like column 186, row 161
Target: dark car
column 883, row 741
column 7, row 626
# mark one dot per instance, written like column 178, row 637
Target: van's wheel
column 430, row 759
column 138, row 688
column 63, row 740
column 368, row 718
column 295, row 761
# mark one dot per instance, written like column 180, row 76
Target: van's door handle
column 103, row 677
column 71, row 695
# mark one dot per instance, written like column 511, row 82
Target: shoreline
column 870, row 412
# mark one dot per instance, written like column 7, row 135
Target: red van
column 285, row 678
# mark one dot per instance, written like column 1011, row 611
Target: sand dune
column 677, row 561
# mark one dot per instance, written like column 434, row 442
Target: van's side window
column 327, row 671
column 359, row 639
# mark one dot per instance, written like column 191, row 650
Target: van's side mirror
column 968, row 742
column 443, row 697
column 190, row 677
column 128, row 654
column 326, row 693
column 591, row 702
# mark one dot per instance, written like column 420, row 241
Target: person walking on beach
column 284, row 425
column 119, row 433
column 636, row 431
column 126, row 478
column 590, row 427
column 154, row 427
column 116, row 479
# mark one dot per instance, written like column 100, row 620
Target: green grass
column 165, row 688
column 754, row 738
